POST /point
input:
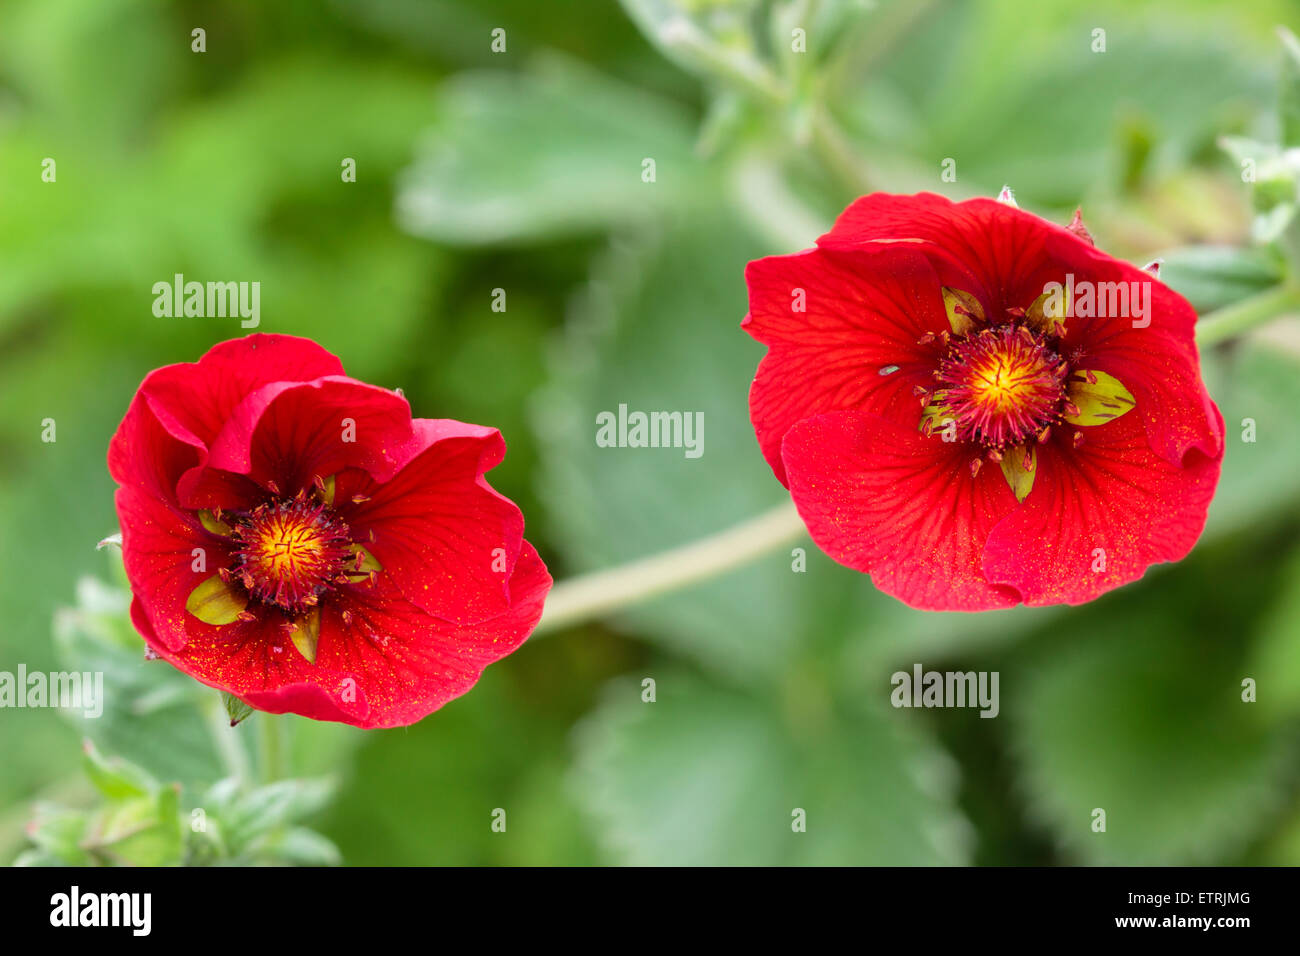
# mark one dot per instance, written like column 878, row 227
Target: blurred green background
column 522, row 170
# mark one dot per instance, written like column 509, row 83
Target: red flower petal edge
column 979, row 408
column 293, row 537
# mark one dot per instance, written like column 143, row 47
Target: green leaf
column 1170, row 84
column 116, row 778
column 492, row 748
column 706, row 776
column 1137, row 711
column 622, row 345
column 1274, row 661
column 142, row 831
column 612, row 505
column 37, row 858
column 298, row 846
column 553, row 152
column 1256, row 384
column 1049, row 312
column 1288, row 106
column 286, row 801
column 1211, row 277
column 169, row 736
column 58, row 834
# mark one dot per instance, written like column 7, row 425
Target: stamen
column 1003, row 385
column 291, row 552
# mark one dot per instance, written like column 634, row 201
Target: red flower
column 968, row 433
column 293, row 537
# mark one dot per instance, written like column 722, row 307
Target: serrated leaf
column 297, row 846
column 502, row 751
column 1166, row 77
column 578, row 144
column 143, row 831
column 1211, row 277
column 613, row 505
column 1138, row 713
column 1274, row 661
column 1256, row 385
column 58, row 833
column 286, row 801
column 706, row 776
column 116, row 778
column 173, row 741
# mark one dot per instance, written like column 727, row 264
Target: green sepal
column 961, row 322
column 216, row 601
column 1019, row 477
column 1100, row 398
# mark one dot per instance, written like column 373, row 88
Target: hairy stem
column 592, row 595
column 1232, row 320
column 225, row 738
column 274, row 728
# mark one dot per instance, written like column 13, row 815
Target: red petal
column 1158, row 364
column 158, row 545
column 144, row 455
column 993, row 250
column 179, row 409
column 900, row 506
column 392, row 665
column 866, row 310
column 198, row 397
column 1012, row 255
column 284, row 435
column 1112, row 493
column 410, row 663
column 441, row 533
column 257, row 662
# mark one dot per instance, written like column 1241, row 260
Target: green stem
column 592, row 595
column 738, row 68
column 838, row 155
column 226, row 739
column 273, row 729
column 866, row 41
column 1232, row 320
column 782, row 217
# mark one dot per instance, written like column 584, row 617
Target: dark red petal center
column 1001, row 385
column 292, row 551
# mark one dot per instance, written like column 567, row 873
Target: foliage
column 524, row 171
